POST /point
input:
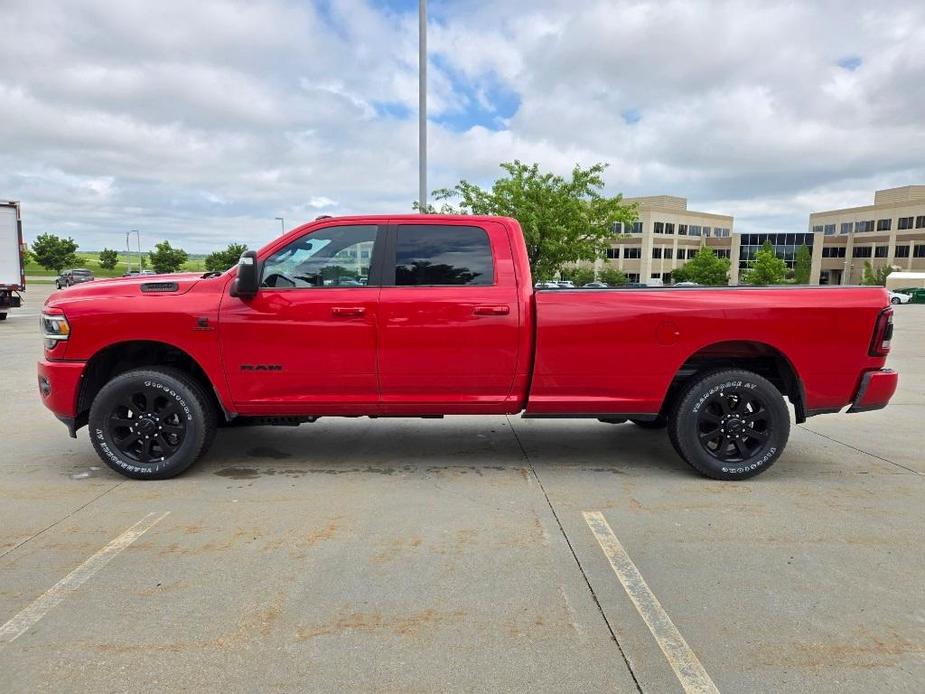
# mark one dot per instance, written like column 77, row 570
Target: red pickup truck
column 423, row 316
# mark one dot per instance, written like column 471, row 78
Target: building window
column 884, row 224
column 634, row 252
column 833, row 252
column 920, row 222
column 721, row 232
column 706, row 231
column 657, row 252
column 682, row 229
column 919, row 251
column 632, row 277
column 829, row 230
column 905, row 222
column 617, row 228
column 669, row 254
column 659, row 227
column 637, row 227
column 669, row 227
column 817, row 228
column 881, row 251
column 656, row 276
column 694, row 230
column 613, row 253
column 864, row 226
column 901, row 252
column 722, row 252
column 846, row 227
column 861, row 252
column 666, row 277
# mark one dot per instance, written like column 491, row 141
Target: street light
column 282, row 224
column 422, row 105
column 128, row 250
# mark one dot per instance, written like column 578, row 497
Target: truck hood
column 170, row 285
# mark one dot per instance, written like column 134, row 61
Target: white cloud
column 201, row 122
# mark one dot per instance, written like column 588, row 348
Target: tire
column 754, row 412
column 658, row 423
column 2, row 316
column 894, row 300
column 166, row 407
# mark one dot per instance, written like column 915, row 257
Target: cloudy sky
column 201, row 121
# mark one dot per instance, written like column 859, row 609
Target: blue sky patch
column 851, row 62
column 631, row 116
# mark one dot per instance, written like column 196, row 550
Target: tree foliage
column 564, row 219
column 166, row 259
column 612, row 276
column 767, row 268
column 54, row 253
column 704, row 268
column 802, row 266
column 108, row 258
column 875, row 277
column 219, row 261
column 577, row 274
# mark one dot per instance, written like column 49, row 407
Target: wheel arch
column 752, row 355
column 120, row 357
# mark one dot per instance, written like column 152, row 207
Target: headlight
column 55, row 328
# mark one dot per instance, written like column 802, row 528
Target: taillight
column 883, row 333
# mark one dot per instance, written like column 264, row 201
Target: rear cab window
column 432, row 255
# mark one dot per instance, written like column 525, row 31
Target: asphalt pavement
column 464, row 554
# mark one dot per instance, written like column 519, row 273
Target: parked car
column 547, row 285
column 449, row 324
column 595, row 285
column 916, row 294
column 899, row 298
column 687, row 284
column 566, row 284
column 69, row 278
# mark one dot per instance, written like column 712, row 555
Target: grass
column 91, row 261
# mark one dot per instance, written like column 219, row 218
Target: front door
column 449, row 319
column 306, row 343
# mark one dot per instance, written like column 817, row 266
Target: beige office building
column 665, row 236
column 889, row 232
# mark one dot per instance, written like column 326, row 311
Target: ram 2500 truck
column 423, row 316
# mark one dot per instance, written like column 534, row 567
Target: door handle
column 348, row 310
column 492, row 310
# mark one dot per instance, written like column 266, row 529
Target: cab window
column 337, row 256
column 435, row 255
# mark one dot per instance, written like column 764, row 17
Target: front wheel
column 894, row 300
column 151, row 423
column 730, row 425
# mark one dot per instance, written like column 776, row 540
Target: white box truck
column 12, row 272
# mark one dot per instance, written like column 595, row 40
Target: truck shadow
column 425, row 447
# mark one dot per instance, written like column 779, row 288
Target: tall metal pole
column 422, row 105
column 138, row 239
column 282, row 224
column 128, row 253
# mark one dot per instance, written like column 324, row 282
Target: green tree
column 875, row 277
column 108, row 258
column 802, row 265
column 219, row 261
column 166, row 259
column 704, row 268
column 577, row 274
column 54, row 253
column 767, row 268
column 612, row 276
column 564, row 219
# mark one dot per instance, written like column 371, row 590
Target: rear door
column 306, row 343
column 449, row 322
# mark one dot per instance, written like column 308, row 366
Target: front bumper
column 59, row 387
column 875, row 391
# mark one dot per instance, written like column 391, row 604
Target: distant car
column 688, row 284
column 566, row 284
column 916, row 294
column 897, row 298
column 69, row 278
column 547, row 285
column 596, row 285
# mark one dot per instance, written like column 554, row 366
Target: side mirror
column 248, row 280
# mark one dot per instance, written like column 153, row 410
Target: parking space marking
column 688, row 669
column 28, row 617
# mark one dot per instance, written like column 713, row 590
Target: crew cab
column 432, row 315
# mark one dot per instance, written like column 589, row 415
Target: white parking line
column 27, row 618
column 688, row 669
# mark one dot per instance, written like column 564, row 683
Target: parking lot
column 463, row 554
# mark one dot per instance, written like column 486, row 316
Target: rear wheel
column 2, row 316
column 894, row 300
column 730, row 425
column 151, row 423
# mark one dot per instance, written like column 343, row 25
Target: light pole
column 422, row 106
column 282, row 224
column 137, row 238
